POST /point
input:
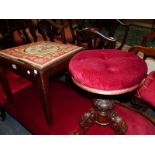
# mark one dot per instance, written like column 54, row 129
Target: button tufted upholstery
column 107, row 70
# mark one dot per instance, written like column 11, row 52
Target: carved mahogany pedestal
column 102, row 113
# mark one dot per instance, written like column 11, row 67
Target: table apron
column 20, row 68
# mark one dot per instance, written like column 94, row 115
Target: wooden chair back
column 94, row 39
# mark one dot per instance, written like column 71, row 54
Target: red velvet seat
column 107, row 70
column 147, row 90
column 67, row 108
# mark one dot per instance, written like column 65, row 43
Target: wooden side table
column 37, row 62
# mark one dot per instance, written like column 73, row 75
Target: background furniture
column 93, row 39
column 146, row 91
column 32, row 30
column 103, row 26
column 49, row 29
column 10, row 28
column 147, row 38
column 148, row 54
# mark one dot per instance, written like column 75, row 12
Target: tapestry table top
column 40, row 54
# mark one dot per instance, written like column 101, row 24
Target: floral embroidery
column 40, row 53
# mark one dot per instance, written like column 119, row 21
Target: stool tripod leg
column 86, row 121
column 102, row 113
column 117, row 123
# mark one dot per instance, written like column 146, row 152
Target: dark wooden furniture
column 93, row 39
column 111, row 25
column 9, row 26
column 50, row 28
column 137, row 103
column 147, row 51
column 107, row 27
column 147, row 38
column 37, row 62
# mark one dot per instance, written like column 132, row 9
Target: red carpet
column 68, row 105
column 16, row 83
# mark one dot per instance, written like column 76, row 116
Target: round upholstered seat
column 107, row 71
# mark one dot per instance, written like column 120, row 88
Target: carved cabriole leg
column 117, row 123
column 86, row 121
